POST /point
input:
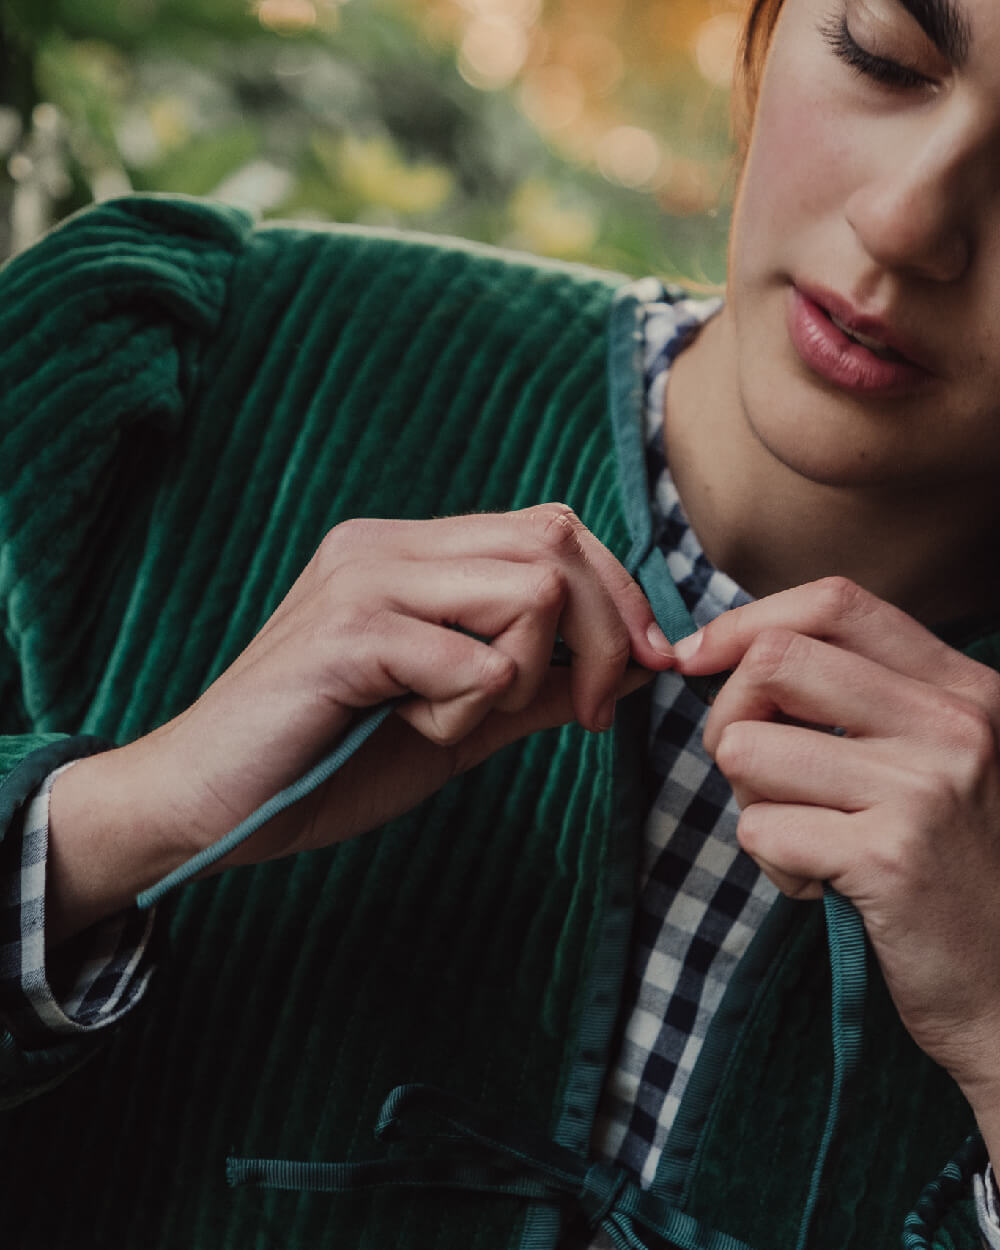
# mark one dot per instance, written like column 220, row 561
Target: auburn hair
column 760, row 22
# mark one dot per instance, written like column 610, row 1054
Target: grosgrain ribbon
column 495, row 1158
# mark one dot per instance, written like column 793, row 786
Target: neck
column 770, row 528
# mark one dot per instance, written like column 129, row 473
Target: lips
column 873, row 344
column 854, row 353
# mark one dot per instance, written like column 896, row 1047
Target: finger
column 650, row 646
column 792, row 764
column 542, row 532
column 837, row 611
column 456, row 678
column 590, row 621
column 789, row 675
column 552, row 706
column 350, row 804
column 798, row 847
column 516, row 607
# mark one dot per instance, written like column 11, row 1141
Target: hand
column 371, row 617
column 901, row 814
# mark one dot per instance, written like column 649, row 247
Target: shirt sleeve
column 987, row 1208
column 85, row 984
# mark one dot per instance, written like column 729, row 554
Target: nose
column 915, row 214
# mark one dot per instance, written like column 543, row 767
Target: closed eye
column 880, row 69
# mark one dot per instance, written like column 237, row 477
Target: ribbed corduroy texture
column 902, row 1118
column 187, row 406
column 245, row 392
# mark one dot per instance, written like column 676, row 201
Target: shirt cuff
column 987, row 1208
column 86, row 983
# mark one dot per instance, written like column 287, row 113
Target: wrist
column 108, row 839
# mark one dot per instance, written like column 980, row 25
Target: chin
column 826, row 451
column 838, row 473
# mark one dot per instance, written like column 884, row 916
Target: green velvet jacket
column 188, row 404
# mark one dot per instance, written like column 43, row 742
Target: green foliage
column 357, row 116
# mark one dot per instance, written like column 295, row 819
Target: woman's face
column 865, row 258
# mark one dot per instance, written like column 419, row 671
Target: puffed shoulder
column 170, row 248
column 102, row 326
column 88, row 311
column 97, row 321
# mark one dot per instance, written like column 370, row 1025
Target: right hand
column 372, row 616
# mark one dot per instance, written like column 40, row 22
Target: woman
column 834, row 420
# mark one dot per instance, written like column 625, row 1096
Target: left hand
column 901, row 814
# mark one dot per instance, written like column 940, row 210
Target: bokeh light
column 286, row 15
column 589, row 129
column 715, row 48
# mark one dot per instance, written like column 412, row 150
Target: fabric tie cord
column 493, row 1157
column 308, row 782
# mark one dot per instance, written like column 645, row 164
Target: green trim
column 482, row 1153
column 601, row 995
column 645, row 560
column 848, row 955
column 587, row 1069
column 625, row 402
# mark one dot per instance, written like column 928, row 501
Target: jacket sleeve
column 101, row 325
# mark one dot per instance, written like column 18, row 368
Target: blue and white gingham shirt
column 702, row 898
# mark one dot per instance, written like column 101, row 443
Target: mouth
column 851, row 351
column 874, row 345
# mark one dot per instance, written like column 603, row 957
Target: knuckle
column 497, row 672
column 770, row 652
column 968, row 731
column 556, row 528
column 745, row 831
column 346, row 540
column 354, row 639
column 894, row 856
column 748, row 831
column 984, row 686
column 840, row 598
column 351, row 620
column 734, row 752
column 444, row 729
column 619, row 648
column 549, row 588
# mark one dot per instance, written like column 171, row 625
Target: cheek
column 799, row 172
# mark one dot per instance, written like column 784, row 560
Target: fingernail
column 658, row 640
column 606, row 715
column 686, row 648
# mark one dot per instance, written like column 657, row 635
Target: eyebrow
column 944, row 25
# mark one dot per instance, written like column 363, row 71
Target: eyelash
column 879, row 68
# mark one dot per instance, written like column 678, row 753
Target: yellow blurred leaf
column 374, row 171
column 547, row 224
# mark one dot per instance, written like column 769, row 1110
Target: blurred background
column 592, row 130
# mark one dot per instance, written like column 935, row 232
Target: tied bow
column 495, row 1158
